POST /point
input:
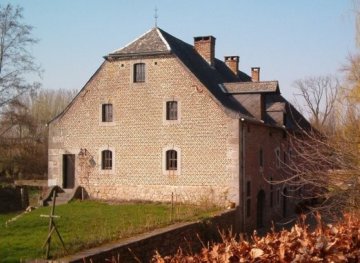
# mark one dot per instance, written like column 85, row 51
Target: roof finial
column 156, row 15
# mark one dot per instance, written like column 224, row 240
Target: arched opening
column 171, row 160
column 284, row 202
column 260, row 207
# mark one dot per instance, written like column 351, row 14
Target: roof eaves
column 77, row 95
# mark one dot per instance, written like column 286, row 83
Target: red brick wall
column 269, row 140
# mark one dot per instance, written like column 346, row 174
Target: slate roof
column 220, row 81
column 252, row 87
column 157, row 41
column 151, row 42
column 276, row 106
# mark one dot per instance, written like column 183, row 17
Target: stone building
column 162, row 118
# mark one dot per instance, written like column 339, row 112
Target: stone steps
column 63, row 196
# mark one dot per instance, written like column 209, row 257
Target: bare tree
column 17, row 64
column 357, row 20
column 319, row 95
column 322, row 173
column 23, row 134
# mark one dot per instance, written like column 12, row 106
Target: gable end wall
column 207, row 137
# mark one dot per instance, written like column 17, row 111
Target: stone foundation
column 206, row 195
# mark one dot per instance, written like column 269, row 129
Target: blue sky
column 287, row 39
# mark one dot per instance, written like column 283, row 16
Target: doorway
column 260, row 206
column 68, row 171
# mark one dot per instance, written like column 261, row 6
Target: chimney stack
column 233, row 63
column 205, row 46
column 255, row 74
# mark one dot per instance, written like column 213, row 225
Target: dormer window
column 139, row 72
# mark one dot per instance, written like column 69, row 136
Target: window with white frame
column 171, row 160
column 171, row 110
column 107, row 112
column 139, row 72
column 106, row 160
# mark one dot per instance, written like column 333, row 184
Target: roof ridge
column 249, row 82
column 158, row 30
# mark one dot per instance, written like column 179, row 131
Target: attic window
column 139, row 72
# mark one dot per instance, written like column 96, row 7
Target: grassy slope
column 83, row 224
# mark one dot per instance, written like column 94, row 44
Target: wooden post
column 172, row 206
column 52, row 228
column 51, row 224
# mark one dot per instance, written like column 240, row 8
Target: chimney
column 233, row 63
column 255, row 74
column 205, row 46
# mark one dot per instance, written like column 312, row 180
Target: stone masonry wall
column 206, row 138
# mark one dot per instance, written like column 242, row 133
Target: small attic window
column 139, row 72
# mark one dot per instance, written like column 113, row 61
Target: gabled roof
column 223, row 85
column 157, row 41
column 252, row 87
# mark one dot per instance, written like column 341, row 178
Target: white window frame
column 106, row 123
column 133, row 72
column 107, row 171
column 178, row 120
column 178, row 152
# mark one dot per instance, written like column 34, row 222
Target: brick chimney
column 255, row 74
column 233, row 63
column 205, row 46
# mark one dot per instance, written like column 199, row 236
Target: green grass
column 85, row 224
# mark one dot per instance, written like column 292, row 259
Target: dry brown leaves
column 328, row 243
